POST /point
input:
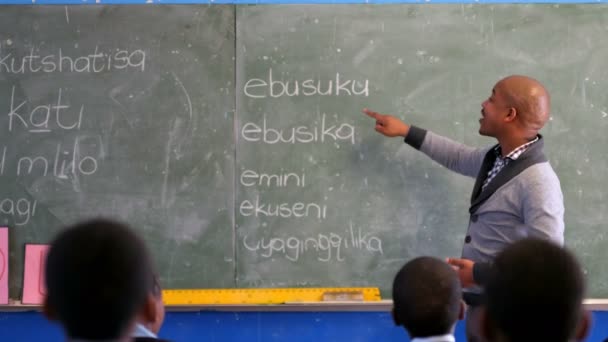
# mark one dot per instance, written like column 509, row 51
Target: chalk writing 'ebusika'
column 93, row 62
column 314, row 132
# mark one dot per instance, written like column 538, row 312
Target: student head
column 427, row 297
column 152, row 314
column 518, row 106
column 534, row 293
column 98, row 274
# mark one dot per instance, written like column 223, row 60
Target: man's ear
column 584, row 326
column 47, row 310
column 511, row 115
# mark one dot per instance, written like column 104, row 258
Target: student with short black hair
column 97, row 278
column 427, row 300
column 534, row 292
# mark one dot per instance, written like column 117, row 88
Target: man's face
column 493, row 112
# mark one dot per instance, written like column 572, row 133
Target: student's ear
column 584, row 326
column 148, row 312
column 461, row 310
column 47, row 310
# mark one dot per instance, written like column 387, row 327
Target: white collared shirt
column 441, row 338
column 142, row 331
column 501, row 162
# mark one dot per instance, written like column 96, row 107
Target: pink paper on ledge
column 33, row 274
column 3, row 265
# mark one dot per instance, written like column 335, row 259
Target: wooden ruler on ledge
column 269, row 295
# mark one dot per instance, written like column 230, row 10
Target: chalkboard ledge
column 376, row 306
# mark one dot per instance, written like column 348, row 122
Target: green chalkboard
column 309, row 68
column 123, row 112
column 232, row 136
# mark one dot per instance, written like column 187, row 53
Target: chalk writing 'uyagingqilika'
column 327, row 246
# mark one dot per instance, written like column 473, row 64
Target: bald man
column 516, row 194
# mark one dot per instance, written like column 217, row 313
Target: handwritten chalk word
column 285, row 210
column 21, row 209
column 258, row 88
column 94, row 62
column 64, row 162
column 300, row 134
column 281, row 179
column 37, row 120
column 328, row 246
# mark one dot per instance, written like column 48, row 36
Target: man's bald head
column 529, row 98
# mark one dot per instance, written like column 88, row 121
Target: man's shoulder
column 540, row 173
column 539, row 181
column 148, row 339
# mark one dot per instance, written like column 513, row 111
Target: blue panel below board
column 255, row 326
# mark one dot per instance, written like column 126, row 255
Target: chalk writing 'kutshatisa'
column 94, row 62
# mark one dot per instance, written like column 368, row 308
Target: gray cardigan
column 523, row 200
